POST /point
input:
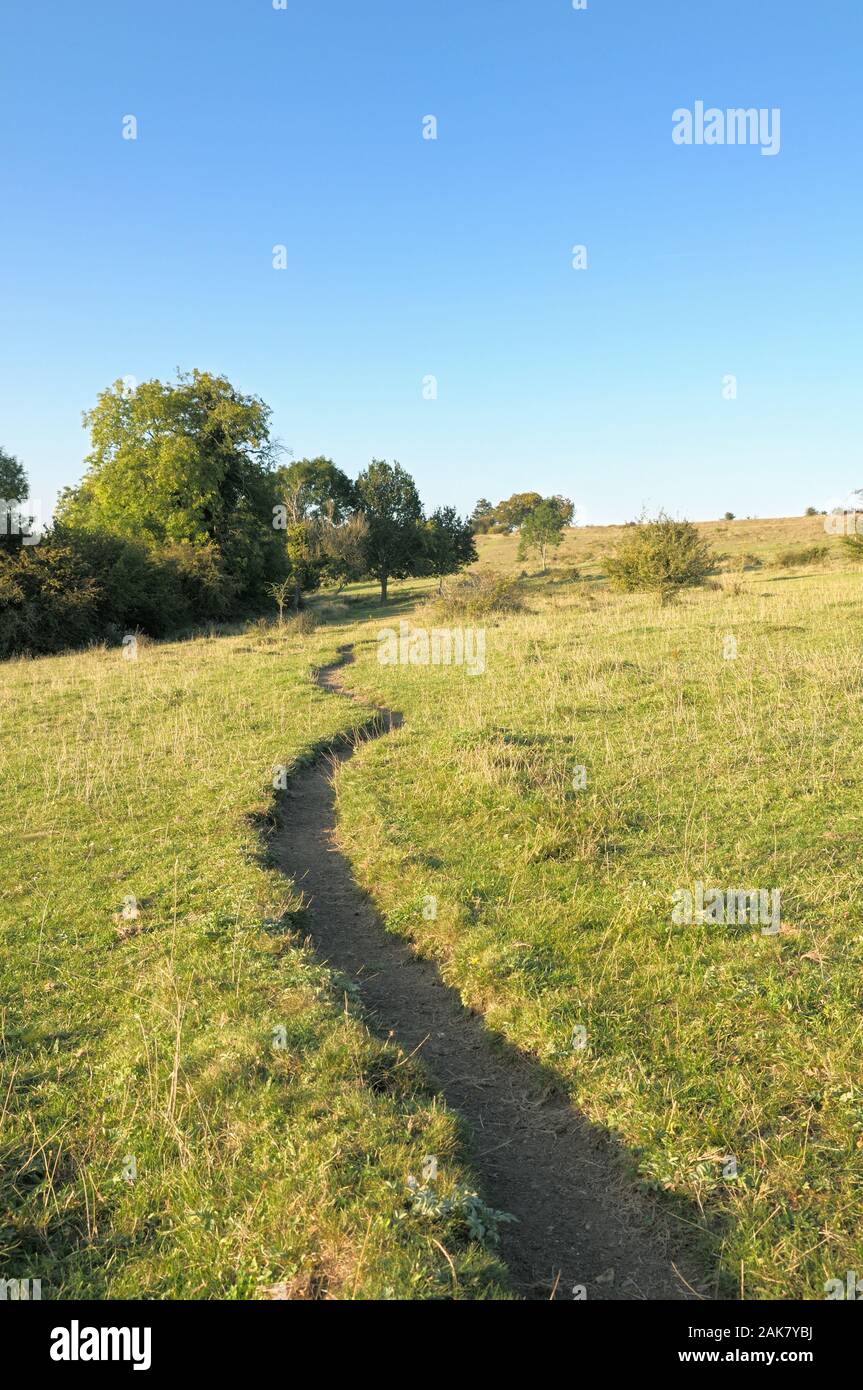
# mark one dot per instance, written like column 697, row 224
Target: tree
column 729, row 516
column 188, row 462
column 512, row 512
column 13, row 479
column 542, row 529
column 449, row 543
column 343, row 546
column 13, row 490
column 279, row 592
column 388, row 497
column 660, row 556
column 324, row 535
column 483, row 516
column 319, row 487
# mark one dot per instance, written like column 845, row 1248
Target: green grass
column 704, row 1043
column 258, row 1167
column 151, row 1036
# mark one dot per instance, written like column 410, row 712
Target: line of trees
column 511, row 514
column 186, row 514
column 540, row 521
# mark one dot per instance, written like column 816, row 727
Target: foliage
column 661, row 556
column 449, row 543
column 808, row 555
column 188, row 463
column 389, row 500
column 478, row 594
column 542, row 530
column 316, row 487
column 512, row 512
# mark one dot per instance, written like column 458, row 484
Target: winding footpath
column 578, row 1222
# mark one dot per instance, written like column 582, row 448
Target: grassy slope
column 152, row 1037
column 554, row 907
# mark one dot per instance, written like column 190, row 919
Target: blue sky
column 409, row 258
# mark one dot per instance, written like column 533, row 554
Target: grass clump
column 807, row 555
column 477, row 595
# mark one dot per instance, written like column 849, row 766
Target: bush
column 81, row 586
column 301, row 624
column 745, row 561
column 662, row 557
column 476, row 594
column 48, row 601
column 808, row 555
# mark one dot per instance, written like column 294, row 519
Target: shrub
column 476, row 594
column 48, row 601
column 661, row 556
column 79, row 586
column 745, row 561
column 301, row 624
column 807, row 555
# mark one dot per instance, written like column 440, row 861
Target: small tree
column 281, row 592
column 13, row 491
column 729, row 516
column 13, row 479
column 449, row 543
column 483, row 516
column 542, row 530
column 662, row 557
column 389, row 499
column 343, row 548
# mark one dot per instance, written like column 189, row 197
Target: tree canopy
column 188, row 462
column 389, row 499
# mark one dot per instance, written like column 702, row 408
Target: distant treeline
column 186, row 514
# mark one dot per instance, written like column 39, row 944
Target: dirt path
column 535, row 1155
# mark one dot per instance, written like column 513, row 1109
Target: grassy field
column 189, row 1109
column 725, row 1060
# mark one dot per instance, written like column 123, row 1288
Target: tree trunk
column 384, row 578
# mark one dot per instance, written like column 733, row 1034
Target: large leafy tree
column 388, row 497
column 512, row 512
column 449, row 543
column 189, row 462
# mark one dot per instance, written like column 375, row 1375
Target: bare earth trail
column 536, row 1157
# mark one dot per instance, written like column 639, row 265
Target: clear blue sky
column 450, row 258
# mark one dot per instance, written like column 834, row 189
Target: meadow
column 723, row 1060
column 189, row 1108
